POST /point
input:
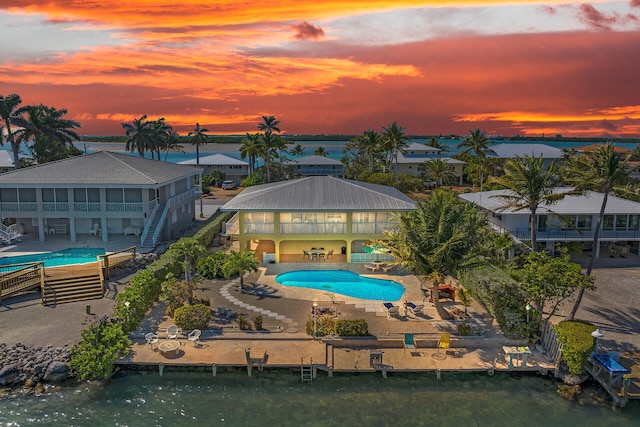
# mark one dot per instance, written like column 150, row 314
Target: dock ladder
column 307, row 372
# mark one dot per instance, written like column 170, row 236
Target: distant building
column 317, row 166
column 233, row 169
column 106, row 195
column 572, row 219
column 511, row 151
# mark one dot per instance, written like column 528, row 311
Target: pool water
column 343, row 283
column 57, row 259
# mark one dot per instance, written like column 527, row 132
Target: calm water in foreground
column 278, row 399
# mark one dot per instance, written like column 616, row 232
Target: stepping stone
column 267, row 312
column 280, row 317
column 293, row 324
column 251, row 307
column 287, row 320
column 292, row 330
column 257, row 309
column 243, row 304
column 272, row 314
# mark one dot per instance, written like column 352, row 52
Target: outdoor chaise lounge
column 371, row 267
column 415, row 309
column 445, row 341
column 391, row 309
column 409, row 341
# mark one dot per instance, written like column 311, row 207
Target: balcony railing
column 124, row 207
column 18, row 206
column 320, row 171
column 558, row 234
column 313, row 228
column 55, row 207
column 372, row 227
column 259, row 227
column 86, row 206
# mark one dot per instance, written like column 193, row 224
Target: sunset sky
column 324, row 67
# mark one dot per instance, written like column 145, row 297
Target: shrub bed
column 577, row 343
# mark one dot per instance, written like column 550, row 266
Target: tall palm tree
column 191, row 250
column 270, row 143
column 394, row 142
column 439, row 238
column 435, row 143
column 172, row 143
column 240, row 262
column 437, row 170
column 320, row 151
column 250, row 149
column 529, row 184
column 370, row 143
column 478, row 143
column 198, row 137
column 602, row 171
column 9, row 112
column 140, row 135
column 160, row 132
column 297, row 150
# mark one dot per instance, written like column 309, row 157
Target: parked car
column 228, row 185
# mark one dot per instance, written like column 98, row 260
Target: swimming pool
column 344, row 283
column 56, row 259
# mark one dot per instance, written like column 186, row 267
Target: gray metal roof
column 416, row 146
column 588, row 204
column 511, row 151
column 214, row 160
column 314, row 160
column 102, row 168
column 415, row 159
column 320, row 193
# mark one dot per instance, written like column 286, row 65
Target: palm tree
column 435, row 143
column 199, row 137
column 529, row 184
column 250, row 149
column 270, row 143
column 140, row 135
column 172, row 143
column 320, row 151
column 478, row 143
column 370, row 143
column 191, row 250
column 240, row 263
column 437, row 170
column 602, row 171
column 160, row 133
column 297, row 150
column 394, row 142
column 437, row 239
column 9, row 112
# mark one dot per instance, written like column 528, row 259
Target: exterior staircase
column 156, row 224
column 8, row 235
column 71, row 289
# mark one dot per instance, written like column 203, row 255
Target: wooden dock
column 332, row 356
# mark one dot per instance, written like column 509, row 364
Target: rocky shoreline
column 31, row 368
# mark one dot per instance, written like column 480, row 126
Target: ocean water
column 279, row 399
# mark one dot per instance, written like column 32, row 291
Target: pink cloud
column 595, row 19
column 635, row 3
column 306, row 31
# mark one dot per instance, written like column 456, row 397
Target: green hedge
column 339, row 327
column 577, row 343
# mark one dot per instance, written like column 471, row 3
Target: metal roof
column 314, row 160
column 587, row 204
column 103, row 168
column 320, row 193
column 511, row 151
column 215, row 159
column 415, row 159
column 416, row 146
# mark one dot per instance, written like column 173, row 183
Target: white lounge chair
column 391, row 309
column 371, row 267
column 95, row 230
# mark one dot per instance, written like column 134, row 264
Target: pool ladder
column 307, row 372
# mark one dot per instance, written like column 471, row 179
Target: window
column 607, row 222
column 584, row 222
column 621, row 222
column 634, row 222
column 542, row 223
column 568, row 223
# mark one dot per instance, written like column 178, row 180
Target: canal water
column 279, row 399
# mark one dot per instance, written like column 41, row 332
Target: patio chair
column 95, row 230
column 387, row 268
column 409, row 341
column 306, row 253
column 445, row 341
column 194, row 337
column 330, row 254
column 151, row 339
column 321, row 255
column 391, row 309
column 415, row 309
column 172, row 332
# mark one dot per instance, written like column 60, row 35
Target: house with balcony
column 572, row 219
column 234, row 169
column 317, row 166
column 100, row 196
column 284, row 221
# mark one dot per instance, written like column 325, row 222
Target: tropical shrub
column 463, row 329
column 211, row 266
column 257, row 322
column 142, row 292
column 175, row 293
column 242, row 322
column 102, row 344
column 250, row 181
column 577, row 343
column 339, row 327
column 192, row 316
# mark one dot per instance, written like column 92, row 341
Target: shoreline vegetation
column 235, row 139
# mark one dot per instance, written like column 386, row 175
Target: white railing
column 233, row 225
column 159, row 227
column 55, row 207
column 18, row 206
column 123, row 207
column 313, row 228
column 259, row 227
column 372, row 227
column 189, row 194
column 147, row 226
column 8, row 234
column 86, row 206
column 361, row 258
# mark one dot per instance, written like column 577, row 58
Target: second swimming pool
column 57, row 259
column 343, row 283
